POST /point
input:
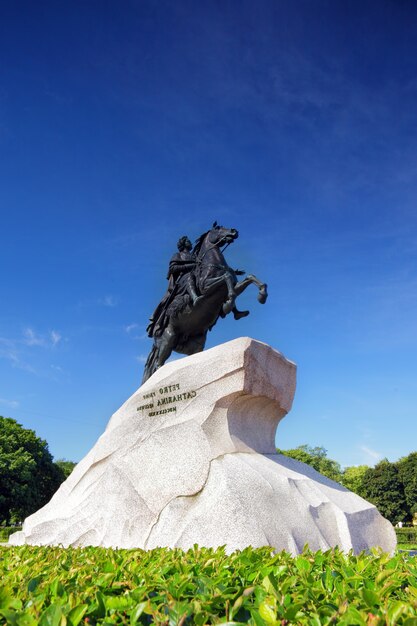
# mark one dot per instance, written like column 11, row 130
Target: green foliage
column 28, row 475
column 65, row 466
column 407, row 468
column 353, row 477
column 317, row 458
column 383, row 487
column 97, row 586
column 407, row 534
column 6, row 531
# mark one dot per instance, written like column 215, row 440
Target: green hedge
column 95, row 586
column 5, row 531
column 407, row 535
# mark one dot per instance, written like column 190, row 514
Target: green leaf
column 352, row 617
column 237, row 604
column 6, row 598
column 25, row 619
column 33, row 583
column 385, row 573
column 137, row 612
column 248, row 591
column 100, row 609
column 292, row 611
column 394, row 612
column 76, row 614
column 302, row 564
column 57, row 588
column 51, row 616
column 268, row 585
column 257, row 618
column 371, row 598
column 119, row 602
column 108, row 566
column 10, row 616
column 267, row 610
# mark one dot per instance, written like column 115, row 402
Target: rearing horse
column 187, row 325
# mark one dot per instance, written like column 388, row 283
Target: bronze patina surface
column 201, row 288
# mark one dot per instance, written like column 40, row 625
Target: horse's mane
column 199, row 243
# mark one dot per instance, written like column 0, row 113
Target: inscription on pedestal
column 156, row 401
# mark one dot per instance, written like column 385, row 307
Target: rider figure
column 182, row 264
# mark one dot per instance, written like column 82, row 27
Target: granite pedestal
column 190, row 458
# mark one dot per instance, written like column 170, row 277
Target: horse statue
column 202, row 288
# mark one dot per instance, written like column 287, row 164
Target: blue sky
column 124, row 125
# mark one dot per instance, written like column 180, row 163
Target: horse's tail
column 150, row 365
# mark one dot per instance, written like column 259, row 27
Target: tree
column 382, row 485
column 65, row 466
column 317, row 458
column 407, row 468
column 28, row 475
column 353, row 478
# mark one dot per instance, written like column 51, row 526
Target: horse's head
column 213, row 239
column 220, row 235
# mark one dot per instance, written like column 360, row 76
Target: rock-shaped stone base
column 190, row 458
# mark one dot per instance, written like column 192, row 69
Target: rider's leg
column 230, row 302
column 230, row 282
column 191, row 288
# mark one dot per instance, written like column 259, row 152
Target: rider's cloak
column 181, row 264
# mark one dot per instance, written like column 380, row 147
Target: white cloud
column 109, row 301
column 9, row 351
column 10, row 403
column 55, row 337
column 31, row 338
column 141, row 358
column 372, row 455
column 16, row 351
column 131, row 328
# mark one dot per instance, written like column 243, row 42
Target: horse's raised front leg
column 251, row 279
column 212, row 284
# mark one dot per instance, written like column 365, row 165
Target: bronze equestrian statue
column 202, row 288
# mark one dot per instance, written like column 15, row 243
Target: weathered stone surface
column 190, row 458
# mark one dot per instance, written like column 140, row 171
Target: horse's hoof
column 239, row 314
column 228, row 306
column 263, row 294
